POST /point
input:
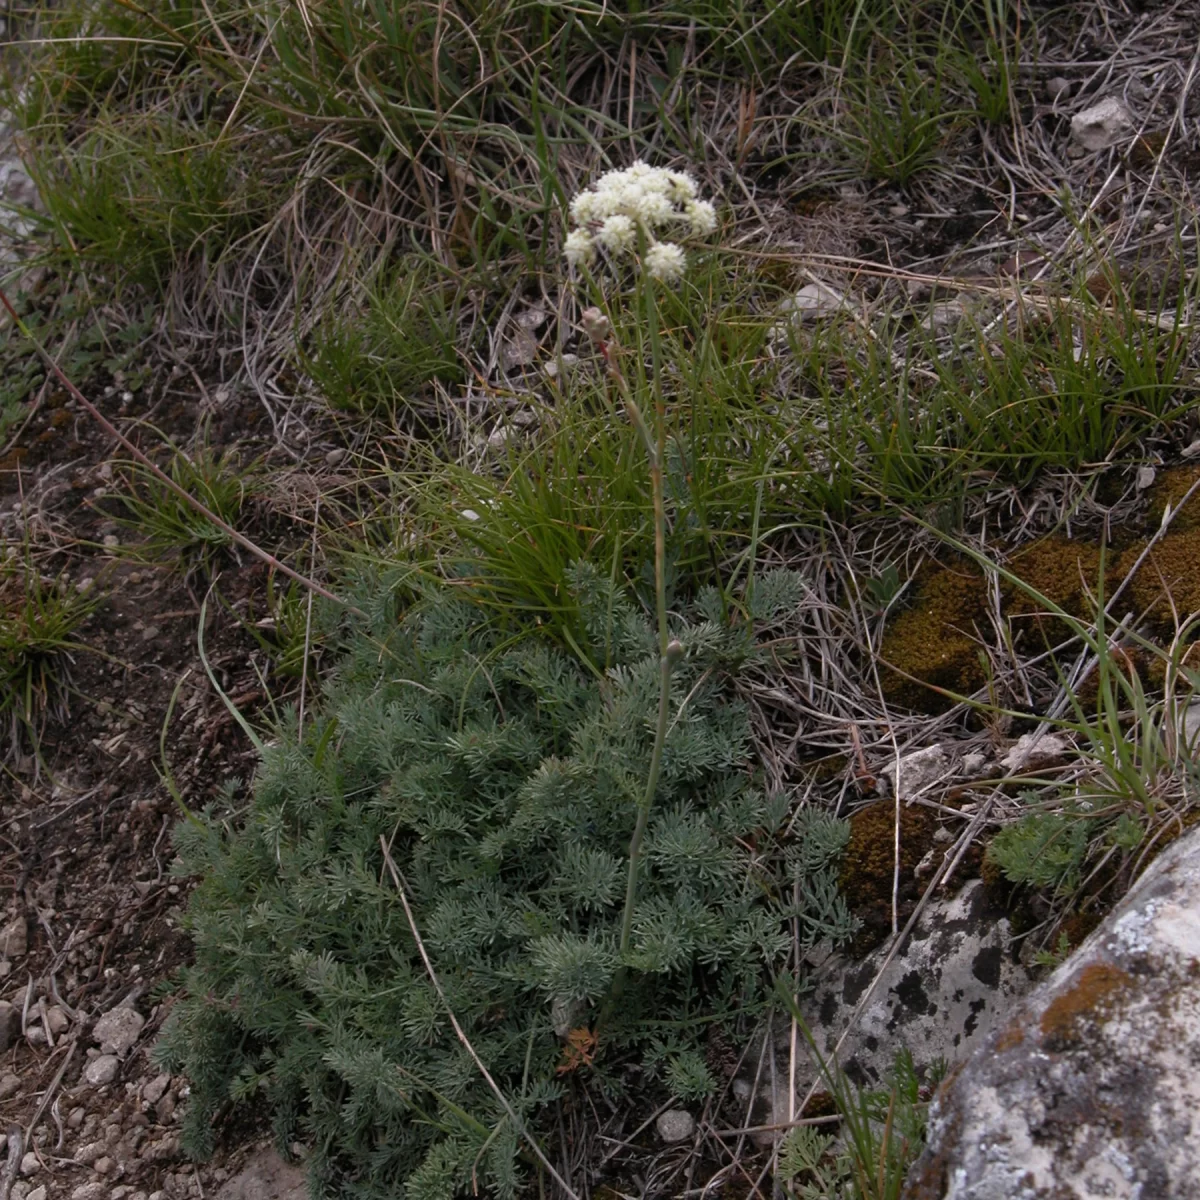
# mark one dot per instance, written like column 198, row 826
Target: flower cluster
column 638, row 202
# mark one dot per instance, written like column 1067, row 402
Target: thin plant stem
column 669, row 651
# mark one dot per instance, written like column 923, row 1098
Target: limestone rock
column 152, row 1092
column 102, row 1070
column 675, row 1125
column 1089, row 1088
column 951, row 981
column 916, row 771
column 813, row 302
column 1102, row 125
column 14, row 938
column 265, row 1177
column 117, row 1030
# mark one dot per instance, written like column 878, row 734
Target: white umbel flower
column 618, row 235
column 701, row 215
column 638, row 205
column 665, row 261
column 579, row 249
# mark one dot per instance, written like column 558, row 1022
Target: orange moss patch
column 935, row 640
column 1010, row 1039
column 1171, row 569
column 869, row 862
column 1063, row 571
column 1088, row 996
column 1170, row 488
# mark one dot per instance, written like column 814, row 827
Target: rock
column 117, row 1030
column 675, row 1125
column 336, row 456
column 916, row 771
column 164, row 1110
column 1102, row 125
column 104, row 1166
column 38, row 1193
column 812, row 302
column 1058, row 88
column 265, row 1177
column 10, row 1085
column 152, row 1092
column 1089, row 1087
column 21, row 1190
column 10, row 1025
column 90, row 1191
column 951, row 981
column 90, row 1152
column 76, row 1117
column 102, row 1070
column 14, row 938
column 57, row 1021
column 1190, row 731
column 1034, row 750
column 30, row 1164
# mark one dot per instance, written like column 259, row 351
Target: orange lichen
column 1086, row 999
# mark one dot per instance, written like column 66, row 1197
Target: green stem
column 669, row 652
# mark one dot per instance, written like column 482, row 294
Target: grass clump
column 504, row 780
column 172, row 528
column 39, row 619
column 388, row 357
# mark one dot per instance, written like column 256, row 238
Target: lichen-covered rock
column 951, row 981
column 1091, row 1087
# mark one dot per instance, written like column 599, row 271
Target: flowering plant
column 625, row 211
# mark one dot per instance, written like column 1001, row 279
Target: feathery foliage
column 505, row 779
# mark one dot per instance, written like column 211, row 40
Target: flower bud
column 674, row 651
column 596, row 325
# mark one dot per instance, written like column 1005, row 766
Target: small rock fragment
column 102, row 1070
column 75, row 1119
column 90, row 1191
column 153, row 1091
column 104, row 1165
column 30, row 1164
column 813, row 301
column 14, row 938
column 1058, row 88
column 916, row 771
column 10, row 1085
column 1035, row 749
column 56, row 1020
column 117, row 1030
column 164, row 1110
column 675, row 1125
column 38, row 1193
column 1102, row 125
column 89, row 1153
column 336, row 455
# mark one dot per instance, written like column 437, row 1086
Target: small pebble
column 102, row 1070
column 38, row 1193
column 75, row 1119
column 30, row 1164
column 10, row 1085
column 153, row 1091
column 111, row 541
column 1058, row 87
column 104, row 1166
column 336, row 456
